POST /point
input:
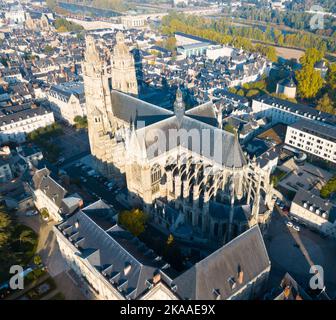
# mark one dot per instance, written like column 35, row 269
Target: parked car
column 289, row 224
column 296, row 228
column 31, row 213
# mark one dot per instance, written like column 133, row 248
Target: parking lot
column 295, row 252
column 94, row 185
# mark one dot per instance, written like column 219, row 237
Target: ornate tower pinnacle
column 179, row 106
column 91, row 54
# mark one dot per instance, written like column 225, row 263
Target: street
column 295, row 252
column 51, row 256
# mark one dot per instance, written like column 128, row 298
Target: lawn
column 18, row 245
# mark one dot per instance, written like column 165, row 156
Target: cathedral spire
column 179, row 106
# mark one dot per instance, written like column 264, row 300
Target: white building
column 5, row 170
column 114, row 265
column 216, row 51
column 283, row 111
column 67, row 101
column 287, row 87
column 313, row 138
column 16, row 122
column 130, row 22
column 50, row 195
column 315, row 212
column 15, row 15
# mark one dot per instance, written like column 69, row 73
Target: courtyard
column 295, row 252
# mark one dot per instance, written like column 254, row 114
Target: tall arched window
column 155, row 173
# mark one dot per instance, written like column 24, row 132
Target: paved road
column 51, row 256
column 295, row 252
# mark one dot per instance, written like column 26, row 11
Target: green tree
column 170, row 240
column 133, row 220
column 328, row 188
column 37, row 260
column 325, row 104
column 230, row 128
column 331, row 78
column 309, row 81
column 311, row 56
column 81, row 122
column 27, row 236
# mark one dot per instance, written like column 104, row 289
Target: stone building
column 180, row 166
column 111, row 264
column 287, row 87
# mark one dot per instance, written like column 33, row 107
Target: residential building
column 67, row 100
column 216, row 51
column 313, row 138
column 49, row 194
column 17, row 121
column 315, row 212
column 287, row 87
column 114, row 265
column 283, row 111
column 30, row 154
column 5, row 170
column 130, row 22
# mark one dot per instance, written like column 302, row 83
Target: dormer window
column 232, row 282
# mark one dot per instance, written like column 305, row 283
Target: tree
column 328, row 188
column 4, row 219
column 326, row 105
column 80, row 122
column 230, row 128
column 170, row 240
column 48, row 49
column 331, row 77
column 133, row 220
column 37, row 260
column 309, row 81
column 311, row 56
column 26, row 236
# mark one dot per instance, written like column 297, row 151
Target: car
column 296, row 228
column 278, row 202
column 289, row 224
column 31, row 213
column 282, row 206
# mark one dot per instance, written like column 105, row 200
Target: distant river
column 85, row 10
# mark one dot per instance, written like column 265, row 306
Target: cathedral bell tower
column 123, row 68
column 98, row 104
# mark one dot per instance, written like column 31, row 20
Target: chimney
column 127, row 269
column 287, row 292
column 156, row 278
column 240, row 276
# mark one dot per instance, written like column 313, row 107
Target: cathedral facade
column 190, row 175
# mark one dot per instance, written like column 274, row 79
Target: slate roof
column 111, row 251
column 49, row 186
column 6, row 117
column 300, row 109
column 246, row 253
column 322, row 130
column 131, row 109
column 324, row 206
